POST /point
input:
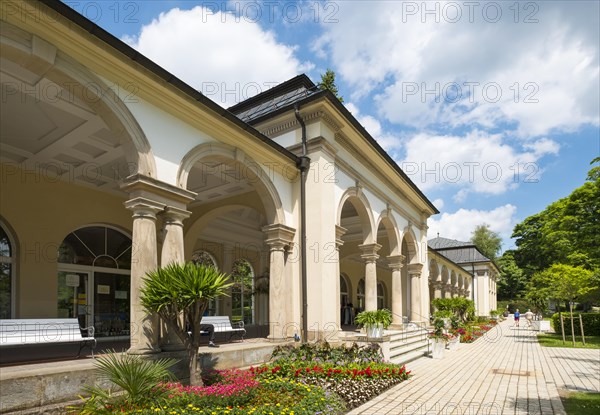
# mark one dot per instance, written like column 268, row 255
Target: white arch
column 263, row 185
column 389, row 222
column 412, row 246
column 363, row 208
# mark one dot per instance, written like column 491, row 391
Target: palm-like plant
column 178, row 290
column 135, row 376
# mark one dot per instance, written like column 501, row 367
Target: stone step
column 405, row 358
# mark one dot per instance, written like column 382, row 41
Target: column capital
column 414, row 270
column 175, row 216
column 339, row 232
column 143, row 207
column 438, row 285
column 396, row 262
column 369, row 251
column 146, row 187
column 278, row 236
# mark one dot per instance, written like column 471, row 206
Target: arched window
column 94, row 265
column 242, row 299
column 344, row 291
column 205, row 258
column 380, row 296
column 98, row 246
column 7, row 274
column 360, row 295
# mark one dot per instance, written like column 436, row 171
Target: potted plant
column 368, row 319
column 439, row 339
column 374, row 321
column 384, row 319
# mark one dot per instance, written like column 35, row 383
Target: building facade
column 482, row 273
column 111, row 167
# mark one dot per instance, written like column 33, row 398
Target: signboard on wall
column 72, row 280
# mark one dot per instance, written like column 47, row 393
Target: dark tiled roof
column 444, row 243
column 464, row 255
column 280, row 96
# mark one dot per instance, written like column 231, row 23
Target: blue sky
column 492, row 108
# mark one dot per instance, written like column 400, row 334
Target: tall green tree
column 486, row 240
column 328, row 83
column 512, row 282
column 179, row 294
column 565, row 232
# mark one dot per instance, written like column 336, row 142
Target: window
column 206, row 259
column 344, row 292
column 7, row 273
column 242, row 299
column 380, row 296
column 360, row 295
column 94, row 279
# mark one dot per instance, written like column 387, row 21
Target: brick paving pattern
column 504, row 372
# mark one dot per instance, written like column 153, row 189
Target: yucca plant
column 178, row 290
column 134, row 377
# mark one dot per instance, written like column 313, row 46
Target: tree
column 512, row 281
column 565, row 232
column 486, row 240
column 184, row 290
column 564, row 283
column 328, row 83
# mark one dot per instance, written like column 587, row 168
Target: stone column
column 396, row 262
column 447, row 291
column 369, row 255
column 225, row 306
column 414, row 273
column 437, row 289
column 172, row 252
column 278, row 238
column 339, row 232
column 149, row 196
column 144, row 327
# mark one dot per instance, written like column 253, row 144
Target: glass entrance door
column 73, row 297
column 111, row 304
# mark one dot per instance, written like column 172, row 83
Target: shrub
column 591, row 323
column 135, row 376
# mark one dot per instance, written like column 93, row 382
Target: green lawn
column 555, row 340
column 581, row 403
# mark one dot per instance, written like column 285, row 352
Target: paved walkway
column 504, row 372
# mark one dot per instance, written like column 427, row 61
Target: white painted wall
column 170, row 138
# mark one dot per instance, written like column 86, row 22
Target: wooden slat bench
column 223, row 324
column 24, row 332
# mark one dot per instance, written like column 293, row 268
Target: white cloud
column 438, row 203
column 388, row 141
column 460, row 224
column 227, row 59
column 537, row 71
column 476, row 162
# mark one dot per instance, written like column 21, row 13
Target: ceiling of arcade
column 51, row 132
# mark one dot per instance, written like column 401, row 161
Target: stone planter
column 374, row 331
column 438, row 348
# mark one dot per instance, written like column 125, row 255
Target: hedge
column 591, row 323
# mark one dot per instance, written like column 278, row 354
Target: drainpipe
column 303, row 164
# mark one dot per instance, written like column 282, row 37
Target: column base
column 396, row 326
column 143, row 350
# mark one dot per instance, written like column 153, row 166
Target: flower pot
column 372, row 331
column 379, row 330
column 438, row 348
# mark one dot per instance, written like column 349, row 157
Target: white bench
column 24, row 332
column 223, row 324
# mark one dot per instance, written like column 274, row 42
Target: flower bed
column 471, row 333
column 309, row 379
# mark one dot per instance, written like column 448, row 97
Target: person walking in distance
column 517, row 317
